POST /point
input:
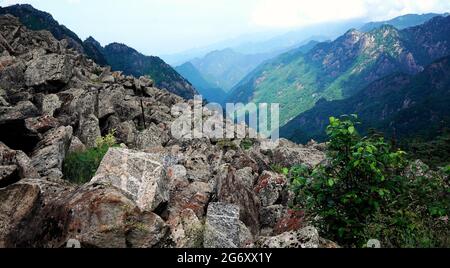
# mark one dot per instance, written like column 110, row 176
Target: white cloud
column 291, row 13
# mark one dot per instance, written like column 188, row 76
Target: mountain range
column 388, row 72
column 339, row 69
column 208, row 91
column 402, row 106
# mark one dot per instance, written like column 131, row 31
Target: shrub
column 247, row 144
column 80, row 167
column 362, row 194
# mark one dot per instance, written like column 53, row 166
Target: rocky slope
column 119, row 57
column 340, row 69
column 153, row 190
column 131, row 62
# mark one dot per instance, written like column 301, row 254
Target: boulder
column 48, row 69
column 186, row 230
column 222, row 226
column 153, row 136
column 271, row 189
column 14, row 166
column 305, row 238
column 41, row 124
column 184, row 195
column 289, row 154
column 48, row 214
column 141, row 175
column 16, row 203
column 232, row 189
column 20, row 111
column 48, row 156
column 271, row 215
column 49, row 104
column 89, row 130
column 76, row 145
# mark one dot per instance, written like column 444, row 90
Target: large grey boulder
column 48, row 69
column 153, row 136
column 140, row 175
column 89, row 130
column 222, row 226
column 48, row 156
column 289, row 154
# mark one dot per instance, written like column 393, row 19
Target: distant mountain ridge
column 400, row 105
column 225, row 68
column 207, row 90
column 340, row 69
column 131, row 63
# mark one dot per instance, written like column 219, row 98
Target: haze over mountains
column 298, row 69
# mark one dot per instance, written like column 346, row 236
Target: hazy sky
column 167, row 26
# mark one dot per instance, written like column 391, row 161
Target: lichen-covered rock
column 305, row 238
column 186, row 230
column 153, row 136
column 141, row 175
column 76, row 145
column 49, row 154
column 289, row 154
column 271, row 188
column 232, row 189
column 271, row 215
column 48, row 214
column 16, row 203
column 48, row 70
column 50, row 103
column 222, row 226
column 20, row 111
column 41, row 124
column 14, row 166
column 89, row 130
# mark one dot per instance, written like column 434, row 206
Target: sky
column 158, row 27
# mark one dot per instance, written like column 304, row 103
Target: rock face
column 49, row 154
column 154, row 190
column 138, row 174
column 222, row 226
column 51, row 69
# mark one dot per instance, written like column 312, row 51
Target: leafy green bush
column 362, row 193
column 80, row 167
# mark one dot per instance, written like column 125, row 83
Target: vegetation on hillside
column 80, row 167
column 368, row 190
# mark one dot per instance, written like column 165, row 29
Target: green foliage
column 363, row 193
column 80, row 167
column 227, row 144
column 435, row 153
column 247, row 144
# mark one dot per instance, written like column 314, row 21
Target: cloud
column 294, row 13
